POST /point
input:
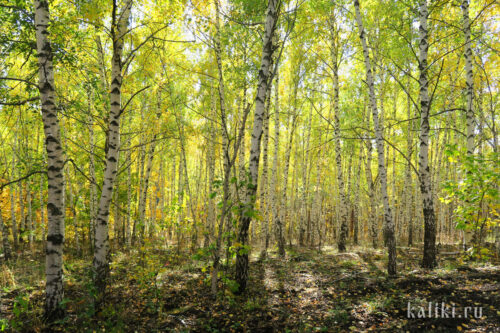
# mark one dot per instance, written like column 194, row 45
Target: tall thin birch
column 388, row 218
column 273, row 9
column 55, row 205
column 429, row 257
column 101, row 247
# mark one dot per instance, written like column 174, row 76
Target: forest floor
column 305, row 292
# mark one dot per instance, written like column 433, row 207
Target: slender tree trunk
column 194, row 228
column 72, row 208
column 343, row 213
column 211, row 212
column 440, row 147
column 318, row 196
column 348, row 197
column 294, row 212
column 162, row 191
column 273, row 9
column 469, row 90
column 388, row 218
column 7, row 251
column 93, row 181
column 408, row 178
column 101, row 248
column 129, row 200
column 305, row 182
column 284, row 195
column 264, row 190
column 429, row 257
column 241, row 158
column 274, row 173
column 284, row 213
column 173, row 195
column 55, row 206
column 371, row 193
column 356, row 198
column 225, row 151
column 145, row 188
column 139, row 219
column 394, row 193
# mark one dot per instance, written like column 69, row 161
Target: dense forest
column 249, row 165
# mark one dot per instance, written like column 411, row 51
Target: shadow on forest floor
column 304, row 292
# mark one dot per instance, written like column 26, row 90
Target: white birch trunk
column 305, row 182
column 129, row 200
column 264, row 190
column 225, row 157
column 211, row 212
column 93, row 179
column 145, row 188
column 253, row 168
column 274, row 173
column 388, row 218
column 55, row 205
column 429, row 257
column 341, row 243
column 469, row 90
column 101, row 247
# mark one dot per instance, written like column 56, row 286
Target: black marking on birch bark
column 53, row 209
column 56, row 239
column 50, row 139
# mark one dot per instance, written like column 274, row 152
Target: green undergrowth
column 156, row 289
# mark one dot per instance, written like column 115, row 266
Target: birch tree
column 429, row 257
column 469, row 82
column 55, row 204
column 227, row 160
column 469, row 85
column 101, row 247
column 273, row 9
column 388, row 218
column 343, row 213
column 277, row 223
